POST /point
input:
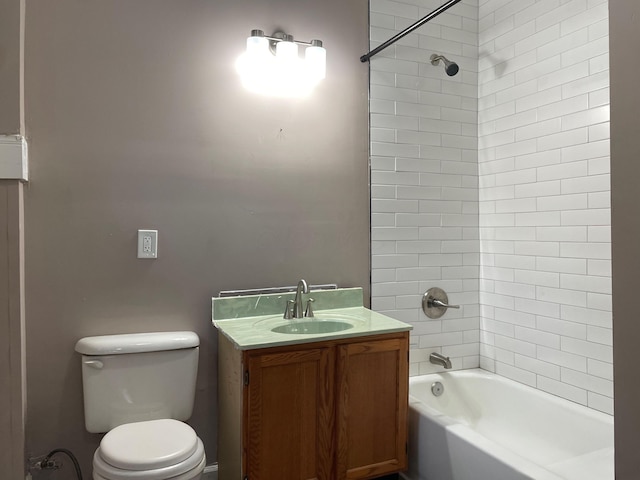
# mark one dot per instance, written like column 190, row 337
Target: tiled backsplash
column 495, row 187
column 545, row 285
column 224, row 308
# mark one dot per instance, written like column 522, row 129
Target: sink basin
column 311, row 327
column 323, row 323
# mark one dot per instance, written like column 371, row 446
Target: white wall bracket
column 14, row 164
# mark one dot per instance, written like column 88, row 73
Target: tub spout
column 441, row 360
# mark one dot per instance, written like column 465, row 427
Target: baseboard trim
column 210, row 472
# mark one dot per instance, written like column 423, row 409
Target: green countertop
column 248, row 320
column 249, row 333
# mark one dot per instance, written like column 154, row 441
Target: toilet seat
column 150, row 450
column 195, row 473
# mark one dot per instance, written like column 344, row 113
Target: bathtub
column 487, row 427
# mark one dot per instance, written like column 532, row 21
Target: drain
column 437, row 389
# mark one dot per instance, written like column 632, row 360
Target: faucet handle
column 288, row 310
column 309, row 311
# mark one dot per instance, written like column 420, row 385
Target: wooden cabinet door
column 372, row 401
column 290, row 411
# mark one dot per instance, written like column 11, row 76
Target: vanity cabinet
column 325, row 410
column 289, row 414
column 371, row 407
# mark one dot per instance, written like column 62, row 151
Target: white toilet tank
column 135, row 377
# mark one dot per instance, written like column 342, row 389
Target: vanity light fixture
column 272, row 66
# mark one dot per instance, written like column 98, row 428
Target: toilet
column 139, row 389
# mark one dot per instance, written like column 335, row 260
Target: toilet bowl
column 163, row 449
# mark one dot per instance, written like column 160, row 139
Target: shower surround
column 494, row 185
column 424, row 162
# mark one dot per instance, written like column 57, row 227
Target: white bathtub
column 487, row 427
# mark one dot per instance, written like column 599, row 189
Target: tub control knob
column 435, row 303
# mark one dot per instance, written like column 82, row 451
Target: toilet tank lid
column 136, row 343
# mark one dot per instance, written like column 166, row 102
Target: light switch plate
column 147, row 244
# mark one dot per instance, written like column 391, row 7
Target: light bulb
column 257, row 46
column 284, row 74
column 286, row 51
column 315, row 58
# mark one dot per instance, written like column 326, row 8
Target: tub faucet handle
column 441, row 304
column 435, row 303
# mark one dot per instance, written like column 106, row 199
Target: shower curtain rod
column 409, row 29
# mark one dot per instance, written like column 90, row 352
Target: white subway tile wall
column 424, row 176
column 543, row 160
column 494, row 185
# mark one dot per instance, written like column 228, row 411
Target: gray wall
column 625, row 230
column 12, row 365
column 136, row 119
column 12, row 348
column 10, row 67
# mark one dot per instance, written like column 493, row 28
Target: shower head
column 450, row 67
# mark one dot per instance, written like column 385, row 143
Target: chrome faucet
column 298, row 310
column 441, row 360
